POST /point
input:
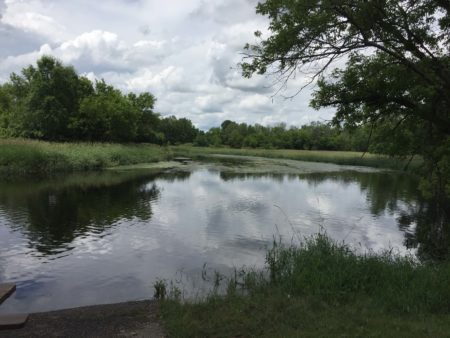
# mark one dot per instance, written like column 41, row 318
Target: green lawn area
column 273, row 316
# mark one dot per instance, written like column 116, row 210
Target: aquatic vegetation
column 27, row 156
column 336, row 157
column 320, row 287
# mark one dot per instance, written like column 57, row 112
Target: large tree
column 398, row 54
column 51, row 101
column 43, row 99
column 380, row 63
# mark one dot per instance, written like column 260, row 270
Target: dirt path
column 132, row 319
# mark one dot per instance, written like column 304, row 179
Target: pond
column 105, row 237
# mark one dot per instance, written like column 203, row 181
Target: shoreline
column 25, row 157
column 128, row 319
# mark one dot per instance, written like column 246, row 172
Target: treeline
column 314, row 136
column 52, row 102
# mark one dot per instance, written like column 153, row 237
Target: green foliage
column 396, row 81
column 5, row 108
column 314, row 136
column 337, row 157
column 27, row 156
column 51, row 102
column 164, row 290
column 45, row 97
column 160, row 289
column 321, row 288
column 147, row 129
column 408, row 76
column 335, row 273
column 177, row 130
column 106, row 115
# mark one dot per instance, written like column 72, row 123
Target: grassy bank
column 337, row 157
column 321, row 289
column 27, row 156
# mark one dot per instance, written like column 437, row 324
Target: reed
column 321, row 288
column 29, row 156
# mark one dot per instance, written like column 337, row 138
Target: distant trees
column 177, row 130
column 314, row 136
column 50, row 101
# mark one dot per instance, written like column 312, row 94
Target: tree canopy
column 398, row 54
column 50, row 101
column 313, row 136
column 391, row 61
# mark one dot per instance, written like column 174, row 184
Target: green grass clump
column 336, row 157
column 322, row 288
column 28, row 156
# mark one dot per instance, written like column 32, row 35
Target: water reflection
column 431, row 237
column 425, row 227
column 52, row 213
column 76, row 240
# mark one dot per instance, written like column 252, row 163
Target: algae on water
column 246, row 165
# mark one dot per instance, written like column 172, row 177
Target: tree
column 177, row 130
column 40, row 102
column 107, row 115
column 213, row 137
column 411, row 40
column 148, row 120
column 397, row 74
column 51, row 101
column 6, row 103
column 51, row 97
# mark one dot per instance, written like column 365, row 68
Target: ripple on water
column 105, row 238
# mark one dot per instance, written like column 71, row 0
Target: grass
column 320, row 288
column 337, row 157
column 28, row 156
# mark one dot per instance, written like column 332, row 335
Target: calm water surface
column 106, row 237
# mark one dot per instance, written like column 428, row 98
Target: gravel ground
column 132, row 319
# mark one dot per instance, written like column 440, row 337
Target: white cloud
column 24, row 15
column 255, row 103
column 185, row 52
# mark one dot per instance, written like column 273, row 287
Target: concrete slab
column 8, row 322
column 6, row 290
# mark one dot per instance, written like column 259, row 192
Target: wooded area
column 52, row 102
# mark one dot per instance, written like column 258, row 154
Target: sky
column 185, row 52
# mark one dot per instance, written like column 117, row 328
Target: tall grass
column 28, row 156
column 337, row 157
column 333, row 272
column 321, row 288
